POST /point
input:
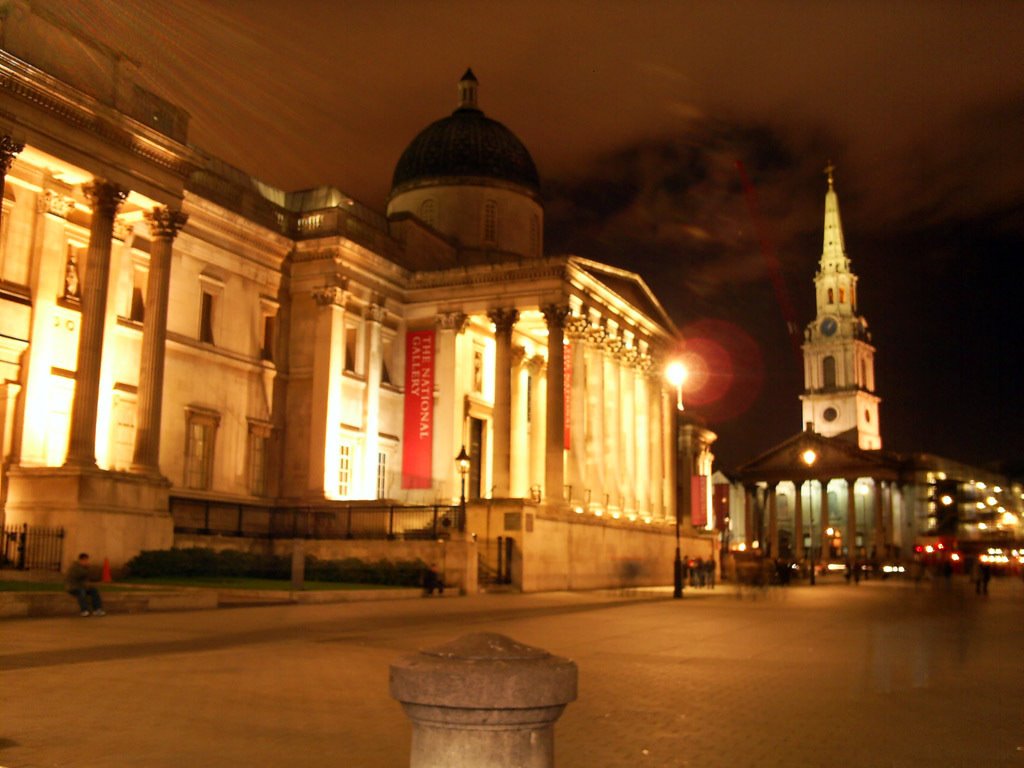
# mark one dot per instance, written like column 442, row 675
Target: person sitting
column 77, row 584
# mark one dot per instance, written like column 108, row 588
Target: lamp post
column 809, row 457
column 675, row 373
column 462, row 462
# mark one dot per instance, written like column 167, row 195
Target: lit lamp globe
column 675, row 374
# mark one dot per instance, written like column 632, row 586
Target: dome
column 465, row 144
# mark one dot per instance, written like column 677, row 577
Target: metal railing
column 28, row 547
column 327, row 521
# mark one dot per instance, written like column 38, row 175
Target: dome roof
column 465, row 144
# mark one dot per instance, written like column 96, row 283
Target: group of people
column 699, row 572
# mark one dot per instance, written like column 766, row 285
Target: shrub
column 200, row 562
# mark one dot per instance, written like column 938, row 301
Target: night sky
column 636, row 115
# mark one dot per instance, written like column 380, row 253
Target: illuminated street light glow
column 675, row 374
column 809, row 457
column 946, row 500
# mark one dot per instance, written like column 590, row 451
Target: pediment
column 834, row 458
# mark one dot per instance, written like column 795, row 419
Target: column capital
column 555, row 315
column 504, row 320
column 536, row 364
column 613, row 345
column 165, row 223
column 517, row 356
column 8, row 149
column 629, row 356
column 576, row 327
column 375, row 313
column 104, row 196
column 452, row 321
column 596, row 336
column 330, row 296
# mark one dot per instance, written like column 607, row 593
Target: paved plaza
column 881, row 674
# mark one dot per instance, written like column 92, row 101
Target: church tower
column 839, row 360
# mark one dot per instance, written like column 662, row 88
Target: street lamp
column 809, row 457
column 462, row 462
column 675, row 373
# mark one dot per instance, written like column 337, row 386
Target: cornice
column 45, row 92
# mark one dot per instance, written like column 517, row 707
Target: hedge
column 197, row 561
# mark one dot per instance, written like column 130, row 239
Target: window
column 490, row 222
column 831, row 296
column 259, row 441
column 344, row 469
column 830, row 414
column 829, row 370
column 267, row 347
column 137, row 309
column 382, row 475
column 206, row 318
column 387, row 350
column 122, row 437
column 200, row 434
column 351, row 339
column 428, row 212
column 842, row 295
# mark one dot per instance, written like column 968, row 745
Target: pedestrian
column 432, row 580
column 77, row 584
column 984, row 577
column 710, row 568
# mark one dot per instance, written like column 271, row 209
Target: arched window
column 864, row 374
column 831, row 297
column 842, row 295
column 490, row 222
column 828, row 366
column 428, row 211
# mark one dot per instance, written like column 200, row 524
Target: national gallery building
column 174, row 331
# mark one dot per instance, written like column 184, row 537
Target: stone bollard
column 483, row 701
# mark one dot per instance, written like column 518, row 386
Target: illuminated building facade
column 171, row 327
column 831, row 493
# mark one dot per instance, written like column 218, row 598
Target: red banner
column 699, row 501
column 566, row 393
column 418, row 435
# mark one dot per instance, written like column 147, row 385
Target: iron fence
column 315, row 521
column 28, row 547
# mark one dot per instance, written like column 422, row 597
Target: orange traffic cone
column 106, row 571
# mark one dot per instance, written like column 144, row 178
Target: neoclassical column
column 878, row 532
column 576, row 327
column 374, row 318
column 164, row 225
column 824, row 523
column 449, row 432
column 595, row 416
column 536, row 368
column 325, row 397
column 773, row 521
column 501, row 419
column 641, row 432
column 851, row 518
column 612, row 406
column 656, row 432
column 519, row 458
column 554, row 466
column 8, row 149
column 105, row 198
column 627, row 426
column 749, row 501
column 798, row 519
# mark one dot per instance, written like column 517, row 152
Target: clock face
column 828, row 326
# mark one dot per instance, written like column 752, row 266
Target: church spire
column 833, row 247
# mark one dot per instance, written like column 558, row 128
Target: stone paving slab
column 877, row 675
